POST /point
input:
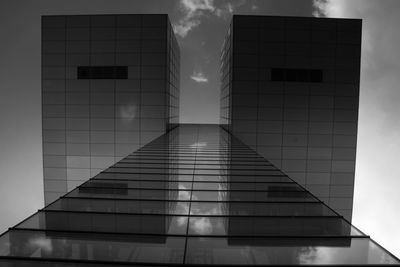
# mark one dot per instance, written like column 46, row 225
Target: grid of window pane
column 196, row 195
column 293, row 94
column 226, row 80
column 110, row 84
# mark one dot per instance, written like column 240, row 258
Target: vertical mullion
column 190, row 200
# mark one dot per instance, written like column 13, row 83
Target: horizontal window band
column 198, row 153
column 176, row 156
column 192, row 164
column 194, row 154
column 192, row 181
column 176, row 168
column 200, row 163
column 183, row 152
column 195, row 190
column 188, row 159
column 198, row 174
column 188, row 235
column 90, row 263
column 193, row 215
column 194, row 168
column 188, row 148
column 315, row 200
column 192, row 158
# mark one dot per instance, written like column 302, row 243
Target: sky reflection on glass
column 211, row 214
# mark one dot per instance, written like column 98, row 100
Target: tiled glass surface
column 182, row 201
column 290, row 251
column 307, row 129
column 89, row 124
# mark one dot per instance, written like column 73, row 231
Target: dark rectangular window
column 296, row 75
column 103, row 72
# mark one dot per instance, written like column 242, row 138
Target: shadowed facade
column 110, row 84
column 290, row 90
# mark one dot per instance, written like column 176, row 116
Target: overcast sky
column 201, row 26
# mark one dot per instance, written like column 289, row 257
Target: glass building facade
column 194, row 196
column 290, row 90
column 110, row 84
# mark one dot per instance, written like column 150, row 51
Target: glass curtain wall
column 194, row 196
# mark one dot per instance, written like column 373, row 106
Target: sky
column 200, row 27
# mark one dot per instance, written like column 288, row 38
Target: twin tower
column 272, row 184
column 289, row 90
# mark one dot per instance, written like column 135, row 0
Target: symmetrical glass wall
column 110, row 84
column 194, row 196
column 290, row 91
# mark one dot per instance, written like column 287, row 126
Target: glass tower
column 290, row 88
column 110, row 84
column 196, row 195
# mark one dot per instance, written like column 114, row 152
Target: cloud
column 182, row 220
column 198, row 145
column 199, row 77
column 183, row 195
column 41, row 242
column 128, row 112
column 185, row 26
column 254, row 7
column 225, row 10
column 193, row 10
column 329, row 8
column 201, row 225
column 319, row 8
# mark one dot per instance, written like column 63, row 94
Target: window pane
column 106, row 222
column 256, row 251
column 129, row 248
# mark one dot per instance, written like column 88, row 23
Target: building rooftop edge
column 301, row 17
column 106, row 14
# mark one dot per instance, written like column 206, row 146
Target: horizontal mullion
column 203, row 151
column 194, row 155
column 190, row 235
column 205, row 174
column 207, row 201
column 176, row 167
column 196, row 164
column 194, row 215
column 138, row 157
column 197, row 190
column 194, row 181
column 234, row 156
column 188, row 149
column 200, row 162
column 183, row 154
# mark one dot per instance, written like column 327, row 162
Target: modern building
column 110, row 84
column 290, row 88
column 196, row 195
